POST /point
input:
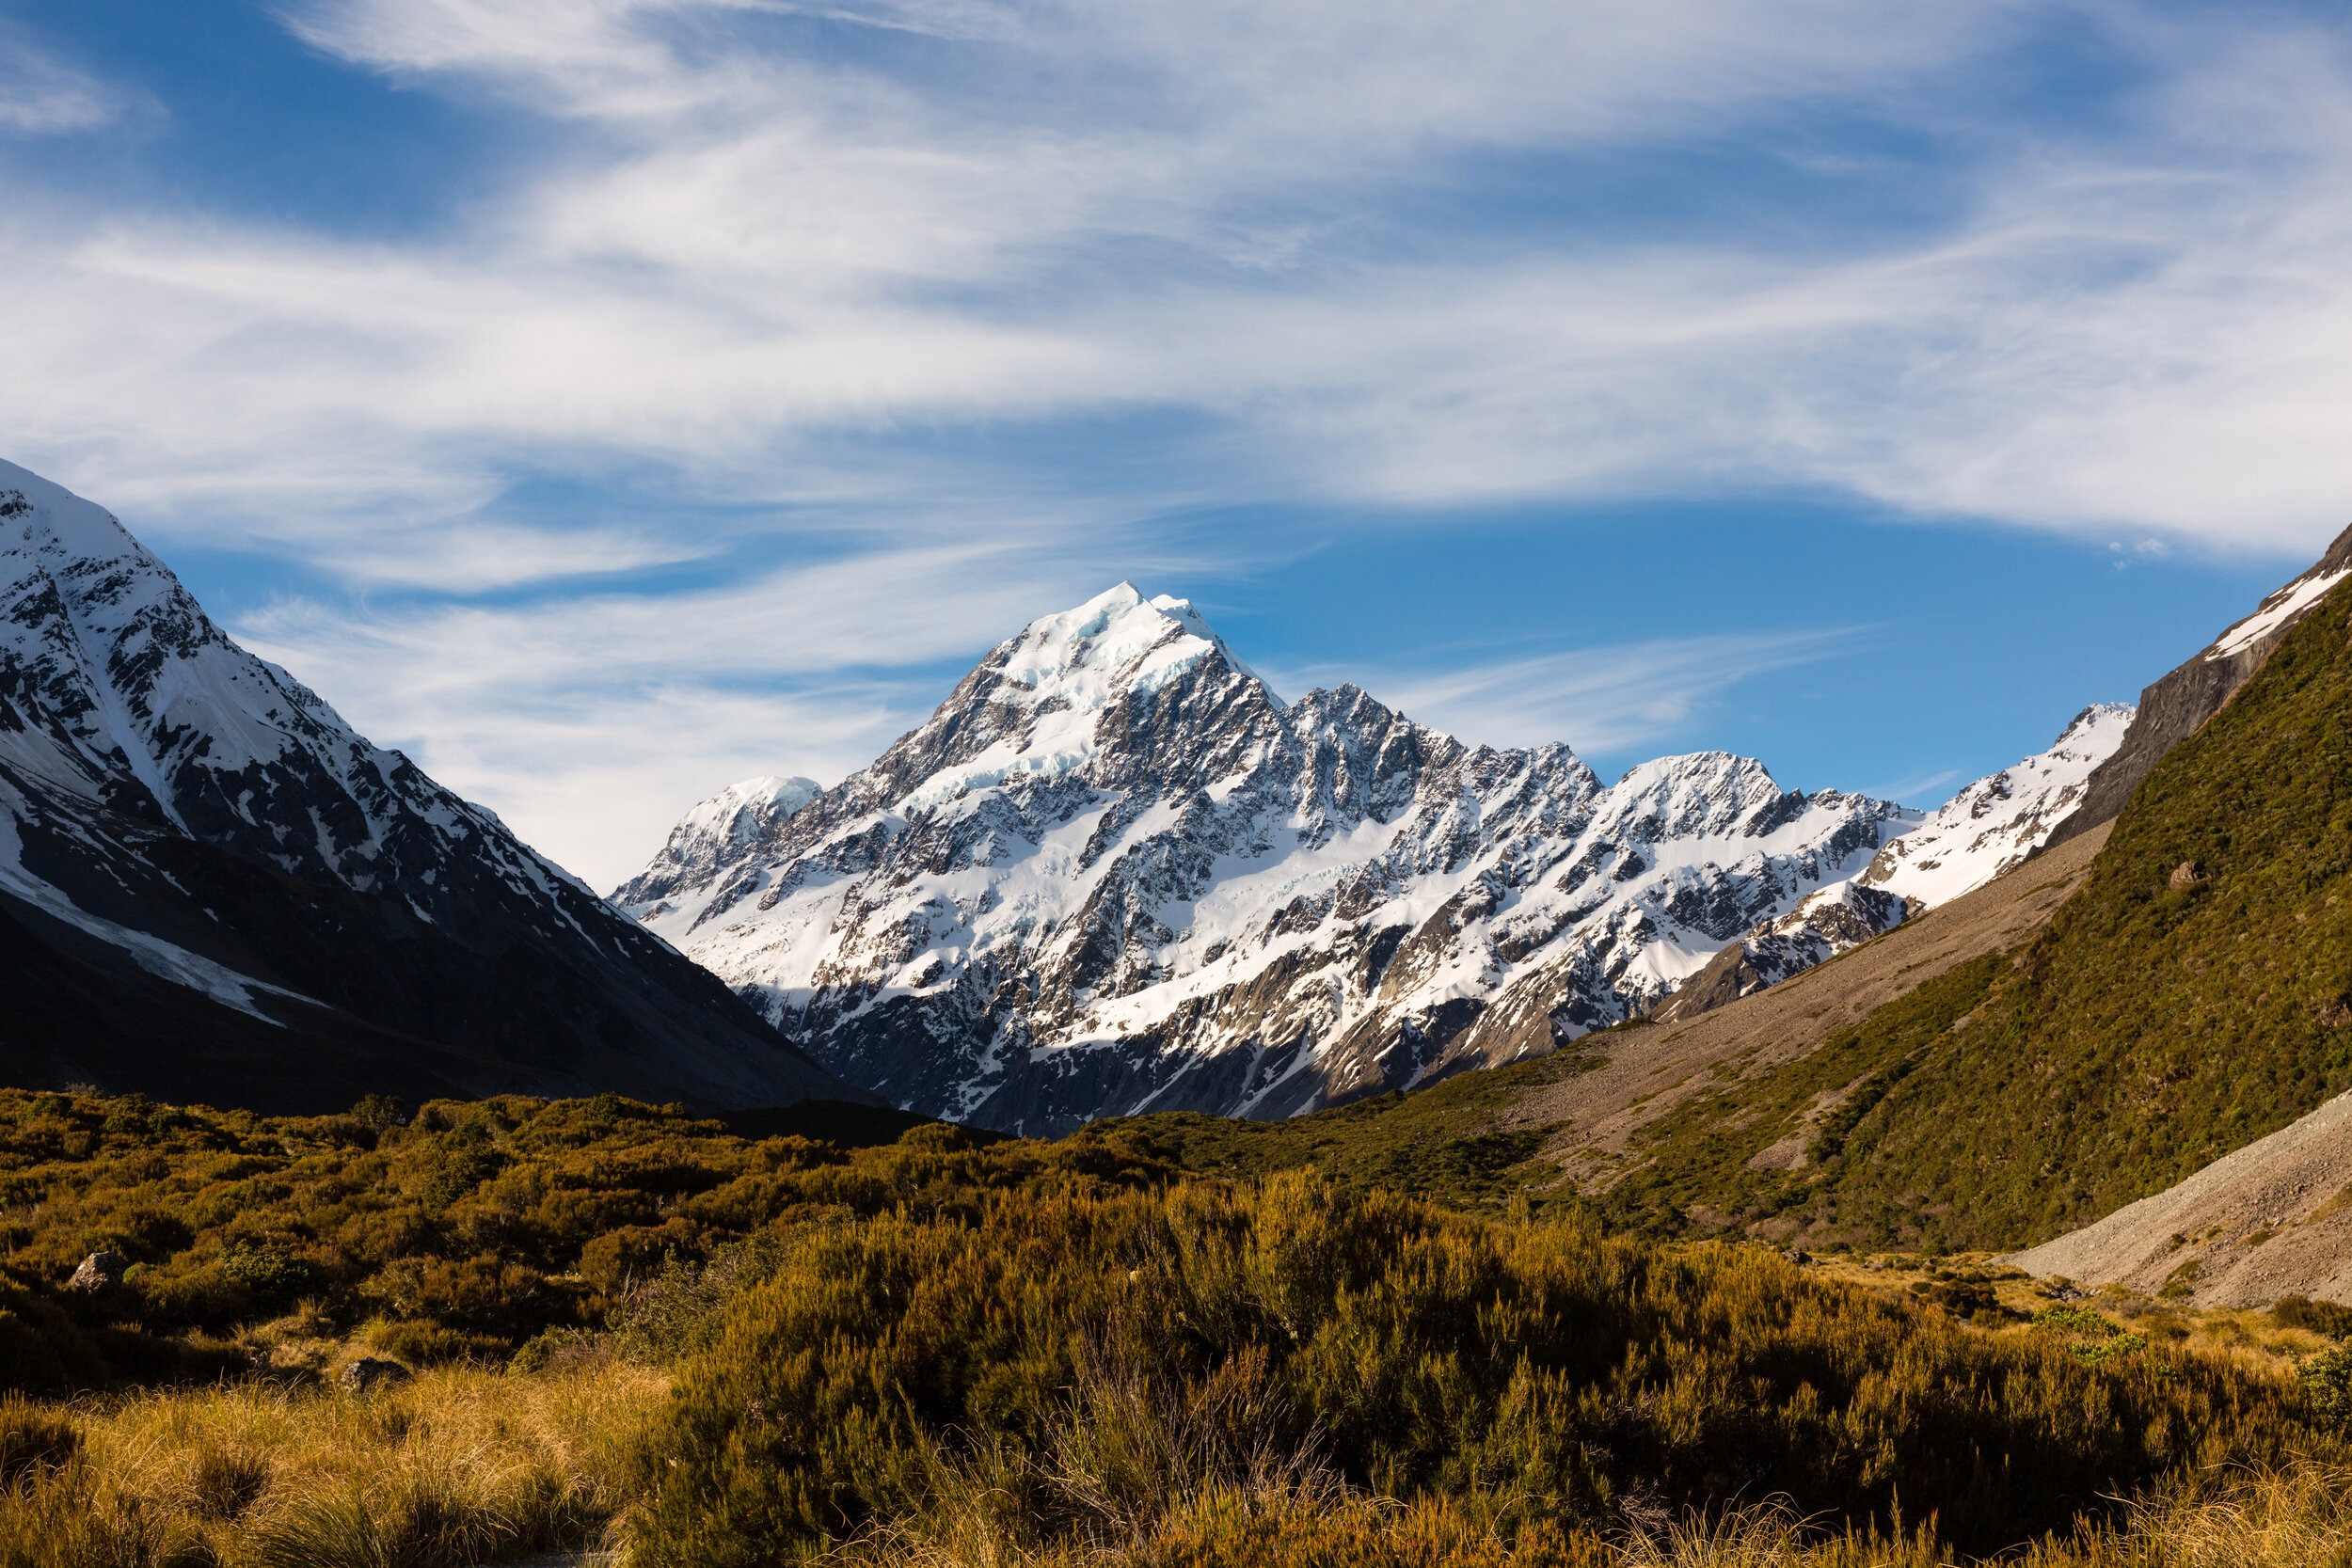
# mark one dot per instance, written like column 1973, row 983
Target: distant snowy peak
column 1116, row 640
column 2000, row 819
column 730, row 824
column 1114, row 872
column 1034, row 709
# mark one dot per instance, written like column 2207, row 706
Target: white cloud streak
column 757, row 267
column 594, row 723
column 42, row 95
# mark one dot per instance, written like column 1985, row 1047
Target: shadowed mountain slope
column 211, row 888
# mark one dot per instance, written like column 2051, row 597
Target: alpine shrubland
column 944, row 1350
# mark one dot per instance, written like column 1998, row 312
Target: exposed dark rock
column 371, row 1371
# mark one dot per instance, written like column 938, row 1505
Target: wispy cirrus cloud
column 644, row 705
column 41, row 94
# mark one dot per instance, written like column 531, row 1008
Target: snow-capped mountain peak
column 1113, row 871
column 1116, row 640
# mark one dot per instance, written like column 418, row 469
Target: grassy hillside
column 2164, row 1018
column 2153, row 1028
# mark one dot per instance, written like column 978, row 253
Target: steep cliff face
column 1115, row 872
column 213, row 888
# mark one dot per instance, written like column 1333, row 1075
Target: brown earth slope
column 1646, row 1072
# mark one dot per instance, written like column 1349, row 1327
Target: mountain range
column 1115, row 872
column 213, row 888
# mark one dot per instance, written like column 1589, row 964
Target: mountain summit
column 211, row 888
column 1115, row 872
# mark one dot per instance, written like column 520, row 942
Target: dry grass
column 2296, row 1520
column 460, row 1466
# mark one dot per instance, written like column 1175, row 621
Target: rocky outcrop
column 1115, row 872
column 213, row 888
column 98, row 1271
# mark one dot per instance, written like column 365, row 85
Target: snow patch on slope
column 2276, row 612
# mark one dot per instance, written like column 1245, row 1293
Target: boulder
column 369, row 1371
column 98, row 1271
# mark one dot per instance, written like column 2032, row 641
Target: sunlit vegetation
column 1057, row 1372
column 629, row 1329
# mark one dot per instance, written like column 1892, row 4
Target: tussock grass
column 457, row 1466
column 2299, row 1518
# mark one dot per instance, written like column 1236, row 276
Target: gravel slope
column 2272, row 1219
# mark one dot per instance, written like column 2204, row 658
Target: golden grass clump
column 2291, row 1518
column 456, row 1466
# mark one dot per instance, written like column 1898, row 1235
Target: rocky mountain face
column 2178, row 706
column 1115, row 872
column 211, row 888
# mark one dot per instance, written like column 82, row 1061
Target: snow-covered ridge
column 1999, row 820
column 127, row 696
column 2279, row 609
column 1989, row 827
column 1115, row 872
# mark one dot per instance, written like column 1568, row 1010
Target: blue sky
column 606, row 400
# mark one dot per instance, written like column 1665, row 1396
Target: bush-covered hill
column 2193, row 995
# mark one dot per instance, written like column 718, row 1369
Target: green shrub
column 275, row 1273
column 2327, row 1380
column 379, row 1112
column 1415, row 1351
column 2319, row 1317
